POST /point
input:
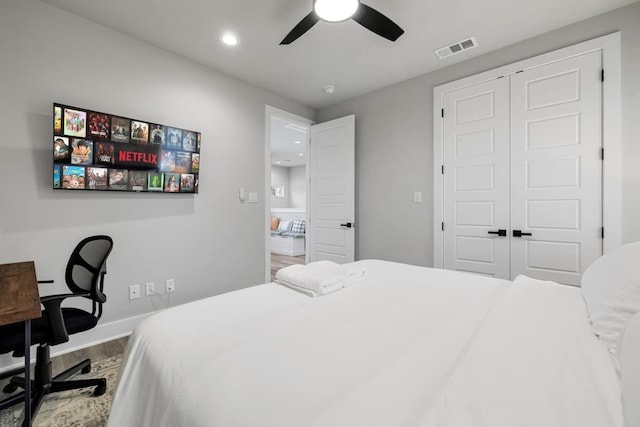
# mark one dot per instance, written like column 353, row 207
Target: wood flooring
column 280, row 261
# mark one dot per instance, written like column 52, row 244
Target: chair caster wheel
column 10, row 388
column 100, row 390
column 86, row 369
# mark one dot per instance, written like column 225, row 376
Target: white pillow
column 284, row 226
column 611, row 291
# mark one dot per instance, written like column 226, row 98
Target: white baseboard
column 102, row 333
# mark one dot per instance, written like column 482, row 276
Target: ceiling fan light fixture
column 229, row 39
column 335, row 10
column 342, row 10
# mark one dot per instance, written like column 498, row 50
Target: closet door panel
column 556, row 169
column 476, row 175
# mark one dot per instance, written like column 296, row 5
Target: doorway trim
column 609, row 45
column 273, row 112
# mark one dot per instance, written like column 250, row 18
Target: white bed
column 406, row 346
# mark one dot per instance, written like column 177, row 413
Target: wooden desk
column 20, row 302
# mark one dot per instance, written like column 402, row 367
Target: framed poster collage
column 100, row 151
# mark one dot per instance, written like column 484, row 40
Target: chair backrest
column 86, row 269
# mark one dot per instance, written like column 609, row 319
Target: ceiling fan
column 341, row 10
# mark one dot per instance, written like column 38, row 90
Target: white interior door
column 330, row 231
column 556, row 179
column 564, row 108
column 476, row 179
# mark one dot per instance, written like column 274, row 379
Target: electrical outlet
column 170, row 286
column 253, row 197
column 134, row 292
column 149, row 288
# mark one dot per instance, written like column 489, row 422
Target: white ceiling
column 288, row 143
column 345, row 54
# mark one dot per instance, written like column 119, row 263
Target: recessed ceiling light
column 329, row 89
column 229, row 39
column 278, row 162
column 297, row 142
column 300, row 154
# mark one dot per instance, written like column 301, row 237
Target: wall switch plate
column 170, row 286
column 417, row 197
column 149, row 288
column 241, row 194
column 134, row 292
column 253, row 197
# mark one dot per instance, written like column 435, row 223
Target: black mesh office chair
column 85, row 278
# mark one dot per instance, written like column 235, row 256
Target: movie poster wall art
column 105, row 152
column 73, row 177
column 97, row 178
column 99, row 126
column 75, row 123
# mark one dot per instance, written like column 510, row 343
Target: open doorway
column 287, row 149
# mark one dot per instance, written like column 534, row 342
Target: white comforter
column 407, row 346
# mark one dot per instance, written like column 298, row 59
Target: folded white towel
column 283, row 273
column 307, row 292
column 314, row 279
column 327, row 265
column 319, row 277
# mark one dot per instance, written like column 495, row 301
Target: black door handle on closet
column 500, row 232
column 519, row 233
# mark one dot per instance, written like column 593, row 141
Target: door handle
column 500, row 232
column 348, row 225
column 519, row 233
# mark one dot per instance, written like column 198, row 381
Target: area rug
column 74, row 408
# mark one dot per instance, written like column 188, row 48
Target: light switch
column 253, row 197
column 241, row 194
column 417, row 197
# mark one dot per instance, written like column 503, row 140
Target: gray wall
column 394, row 141
column 295, row 190
column 280, row 176
column 298, row 187
column 210, row 242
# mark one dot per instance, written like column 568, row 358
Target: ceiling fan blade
column 375, row 21
column 302, row 27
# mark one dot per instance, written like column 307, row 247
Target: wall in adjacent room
column 394, row 141
column 280, row 176
column 298, row 187
column 209, row 243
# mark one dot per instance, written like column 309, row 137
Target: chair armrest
column 53, row 314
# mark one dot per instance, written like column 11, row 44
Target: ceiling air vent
column 457, row 47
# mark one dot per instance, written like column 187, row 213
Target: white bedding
column 407, row 346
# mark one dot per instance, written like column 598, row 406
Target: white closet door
column 556, row 170
column 330, row 232
column 476, row 178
